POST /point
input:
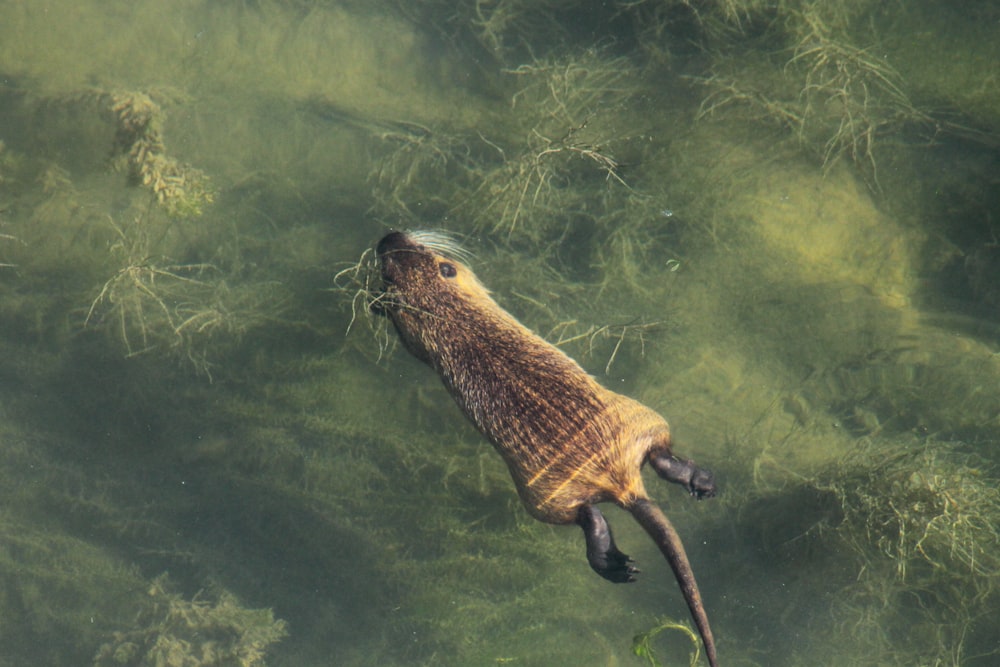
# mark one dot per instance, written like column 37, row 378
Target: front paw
column 702, row 484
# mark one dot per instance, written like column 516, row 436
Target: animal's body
column 569, row 442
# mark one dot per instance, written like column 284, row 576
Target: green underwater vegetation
column 774, row 221
column 175, row 631
column 642, row 643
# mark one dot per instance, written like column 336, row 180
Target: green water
column 775, row 222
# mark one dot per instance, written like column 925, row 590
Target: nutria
column 569, row 442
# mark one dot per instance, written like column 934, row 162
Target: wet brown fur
column 567, row 440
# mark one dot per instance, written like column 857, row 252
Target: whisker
column 443, row 243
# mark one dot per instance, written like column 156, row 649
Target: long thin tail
column 656, row 523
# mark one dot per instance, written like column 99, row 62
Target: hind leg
column 700, row 482
column 602, row 554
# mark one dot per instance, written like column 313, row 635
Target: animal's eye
column 448, row 270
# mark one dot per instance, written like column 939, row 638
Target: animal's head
column 428, row 291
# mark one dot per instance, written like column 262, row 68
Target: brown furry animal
column 569, row 442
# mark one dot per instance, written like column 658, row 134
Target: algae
column 178, row 632
column 181, row 189
column 642, row 644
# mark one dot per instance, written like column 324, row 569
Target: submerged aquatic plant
column 181, row 189
column 539, row 166
column 501, row 27
column 498, row 23
column 361, row 282
column 836, row 97
column 931, row 511
column 197, row 632
column 153, row 303
column 422, row 174
column 565, row 107
column 919, row 521
column 642, row 643
column 861, row 93
column 147, row 299
column 139, row 149
column 930, row 504
column 594, row 334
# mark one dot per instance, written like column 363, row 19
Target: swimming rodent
column 569, row 442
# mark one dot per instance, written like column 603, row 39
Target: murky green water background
column 776, row 222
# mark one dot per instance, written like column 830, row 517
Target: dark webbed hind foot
column 602, row 554
column 700, row 482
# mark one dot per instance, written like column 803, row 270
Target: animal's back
column 567, row 440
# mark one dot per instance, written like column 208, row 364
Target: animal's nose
column 391, row 241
